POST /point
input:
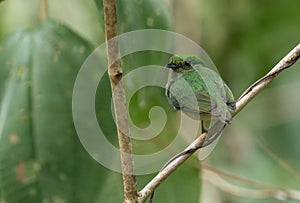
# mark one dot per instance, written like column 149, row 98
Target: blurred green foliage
column 41, row 157
column 244, row 38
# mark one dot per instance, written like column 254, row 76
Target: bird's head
column 183, row 63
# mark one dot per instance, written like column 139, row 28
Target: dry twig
column 119, row 100
column 260, row 191
column 43, row 9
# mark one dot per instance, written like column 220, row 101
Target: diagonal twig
column 244, row 99
column 258, row 190
column 260, row 84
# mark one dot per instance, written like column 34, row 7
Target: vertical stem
column 43, row 9
column 119, row 100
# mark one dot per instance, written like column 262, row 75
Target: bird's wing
column 188, row 100
column 202, row 104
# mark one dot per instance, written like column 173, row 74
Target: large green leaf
column 41, row 158
column 135, row 15
column 139, row 14
column 18, row 163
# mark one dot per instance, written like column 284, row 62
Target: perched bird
column 198, row 91
column 201, row 94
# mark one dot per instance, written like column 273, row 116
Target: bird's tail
column 213, row 135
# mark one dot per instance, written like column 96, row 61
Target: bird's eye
column 232, row 105
column 187, row 63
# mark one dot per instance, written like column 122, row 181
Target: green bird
column 201, row 94
column 198, row 91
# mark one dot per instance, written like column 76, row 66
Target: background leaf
column 40, row 152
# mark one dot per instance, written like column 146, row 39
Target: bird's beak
column 172, row 65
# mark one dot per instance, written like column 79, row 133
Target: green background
column 41, row 157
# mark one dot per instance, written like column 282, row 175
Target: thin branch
column 119, row 100
column 43, row 9
column 259, row 85
column 285, row 165
column 239, row 179
column 262, row 192
column 245, row 98
column 168, row 169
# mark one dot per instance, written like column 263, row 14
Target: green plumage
column 198, row 90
